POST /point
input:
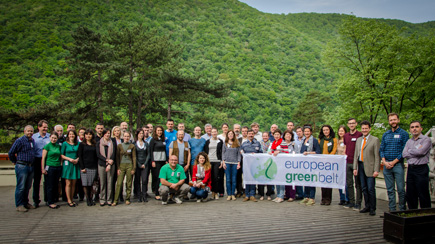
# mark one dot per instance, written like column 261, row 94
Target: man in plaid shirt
column 393, row 142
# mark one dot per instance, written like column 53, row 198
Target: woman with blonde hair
column 201, row 177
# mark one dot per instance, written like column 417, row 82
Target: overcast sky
column 414, row 11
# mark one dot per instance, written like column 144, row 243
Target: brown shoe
column 246, row 199
column 29, row 206
column 127, row 202
column 253, row 199
column 21, row 209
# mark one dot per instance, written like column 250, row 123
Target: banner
column 319, row 170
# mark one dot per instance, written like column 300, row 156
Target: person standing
column 22, row 155
column 417, row 152
column 265, row 144
column 341, row 150
column 236, row 129
column 242, row 139
column 367, row 162
column 257, row 134
column 272, row 131
column 213, row 148
column 290, row 127
column 126, row 162
column 350, row 141
column 88, row 162
column 143, row 158
column 224, row 128
column 106, row 152
column 207, row 129
column 181, row 149
column 310, row 146
column 231, row 162
column 41, row 138
column 158, row 157
column 196, row 144
column 251, row 146
column 170, row 134
column 392, row 145
column 70, row 168
column 51, row 167
column 187, row 136
column 99, row 131
column 328, row 145
column 300, row 139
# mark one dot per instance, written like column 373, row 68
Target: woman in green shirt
column 52, row 169
column 70, row 168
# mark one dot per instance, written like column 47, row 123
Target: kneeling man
column 172, row 178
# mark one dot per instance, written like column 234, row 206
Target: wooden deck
column 217, row 221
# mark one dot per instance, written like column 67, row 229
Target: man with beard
column 392, row 145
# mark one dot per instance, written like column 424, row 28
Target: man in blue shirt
column 392, row 144
column 22, row 155
column 251, row 146
column 41, row 138
column 170, row 134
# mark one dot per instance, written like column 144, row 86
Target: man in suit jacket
column 366, row 162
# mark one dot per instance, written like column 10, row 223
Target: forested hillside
column 269, row 62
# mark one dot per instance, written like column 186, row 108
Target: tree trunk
column 100, row 97
column 139, row 111
column 169, row 109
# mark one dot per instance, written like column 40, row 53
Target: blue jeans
column 231, row 175
column 343, row 196
column 280, row 191
column 24, row 174
column 198, row 192
column 392, row 177
column 52, row 179
column 250, row 190
column 310, row 192
column 299, row 192
column 368, row 188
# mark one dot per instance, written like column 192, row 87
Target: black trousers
column 239, row 180
column 37, row 181
column 155, row 177
column 141, row 186
column 417, row 186
column 350, row 179
column 217, row 178
column 261, row 190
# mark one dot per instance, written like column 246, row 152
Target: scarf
column 310, row 144
column 276, row 143
column 329, row 139
column 104, row 143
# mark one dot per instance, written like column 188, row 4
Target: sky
column 414, row 11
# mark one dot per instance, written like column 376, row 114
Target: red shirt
column 207, row 176
column 350, row 141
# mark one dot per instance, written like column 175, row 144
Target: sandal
column 157, row 197
column 54, row 207
column 71, row 204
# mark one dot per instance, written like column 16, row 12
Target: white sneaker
column 178, row 200
column 164, row 203
column 216, row 197
column 199, row 200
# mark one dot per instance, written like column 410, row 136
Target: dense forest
column 272, row 67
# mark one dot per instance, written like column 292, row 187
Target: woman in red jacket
column 201, row 177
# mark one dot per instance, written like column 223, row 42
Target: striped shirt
column 22, row 150
column 392, row 144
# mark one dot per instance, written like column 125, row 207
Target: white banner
column 319, row 170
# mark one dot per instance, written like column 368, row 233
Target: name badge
column 172, row 174
column 241, row 151
column 178, row 174
column 166, row 138
column 418, row 146
column 353, row 139
column 329, row 144
column 186, row 149
column 66, row 162
column 397, row 136
column 129, row 150
column 164, row 143
column 31, row 145
column 342, row 144
column 47, row 167
column 257, row 148
column 307, row 144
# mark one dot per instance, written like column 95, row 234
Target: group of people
column 99, row 162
